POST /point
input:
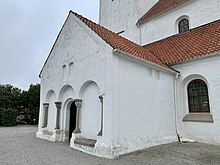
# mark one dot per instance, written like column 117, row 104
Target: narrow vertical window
column 183, row 25
column 150, row 71
column 70, row 68
column 157, row 74
column 198, row 96
column 64, row 72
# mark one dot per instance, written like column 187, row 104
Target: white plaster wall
column 50, row 98
column 144, row 106
column 87, row 58
column 207, row 68
column 122, row 15
column 200, row 12
column 90, row 118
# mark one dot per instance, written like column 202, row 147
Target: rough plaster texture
column 140, row 122
column 90, row 113
column 199, row 69
column 72, row 72
column 139, row 98
column 199, row 12
column 122, row 15
column 91, row 76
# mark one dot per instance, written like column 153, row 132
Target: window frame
column 207, row 95
column 179, row 26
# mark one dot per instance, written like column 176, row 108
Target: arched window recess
column 198, row 97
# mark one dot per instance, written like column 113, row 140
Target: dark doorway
column 72, row 124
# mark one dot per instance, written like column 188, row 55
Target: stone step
column 85, row 142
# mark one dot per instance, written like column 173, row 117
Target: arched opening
column 66, row 92
column 90, row 113
column 72, row 119
column 183, row 25
column 50, row 115
column 198, row 97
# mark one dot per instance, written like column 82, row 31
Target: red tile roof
column 160, row 7
column 118, row 42
column 198, row 42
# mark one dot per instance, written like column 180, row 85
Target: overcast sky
column 28, row 29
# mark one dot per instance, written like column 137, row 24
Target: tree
column 33, row 99
column 9, row 97
column 25, row 102
column 9, row 117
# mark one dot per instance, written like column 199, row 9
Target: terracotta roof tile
column 160, row 7
column 198, row 42
column 118, row 42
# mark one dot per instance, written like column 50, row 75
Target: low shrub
column 9, row 117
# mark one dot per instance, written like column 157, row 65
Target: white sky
column 28, row 29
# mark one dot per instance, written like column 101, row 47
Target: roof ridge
column 152, row 12
column 140, row 21
column 119, row 42
column 201, row 41
column 78, row 15
column 184, row 33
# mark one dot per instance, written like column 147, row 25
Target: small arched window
column 198, row 96
column 183, row 25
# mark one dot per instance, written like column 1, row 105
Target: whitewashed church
column 147, row 74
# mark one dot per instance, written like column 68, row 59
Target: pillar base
column 77, row 131
column 100, row 133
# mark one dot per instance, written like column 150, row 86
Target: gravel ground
column 19, row 146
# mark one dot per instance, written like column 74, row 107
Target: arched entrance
column 72, row 119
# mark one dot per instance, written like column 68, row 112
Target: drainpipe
column 175, row 105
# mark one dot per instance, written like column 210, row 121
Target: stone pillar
column 101, row 131
column 58, row 105
column 45, row 114
column 78, row 103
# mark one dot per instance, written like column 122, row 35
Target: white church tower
column 121, row 16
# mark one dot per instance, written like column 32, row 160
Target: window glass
column 198, row 96
column 183, row 25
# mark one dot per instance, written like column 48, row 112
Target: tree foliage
column 13, row 99
column 9, row 117
column 9, row 97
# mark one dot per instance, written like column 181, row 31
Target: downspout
column 175, row 105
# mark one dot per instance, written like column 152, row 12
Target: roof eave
column 171, row 70
column 141, row 21
column 217, row 53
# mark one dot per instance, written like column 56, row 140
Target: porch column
column 45, row 114
column 101, row 131
column 58, row 105
column 78, row 103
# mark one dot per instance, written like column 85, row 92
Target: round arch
column 180, row 19
column 185, row 83
column 67, row 119
column 49, row 94
column 90, row 113
column 85, row 85
column 66, row 92
column 192, row 77
column 50, row 99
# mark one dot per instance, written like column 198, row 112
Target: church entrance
column 72, row 121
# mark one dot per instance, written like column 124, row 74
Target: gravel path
column 19, row 146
